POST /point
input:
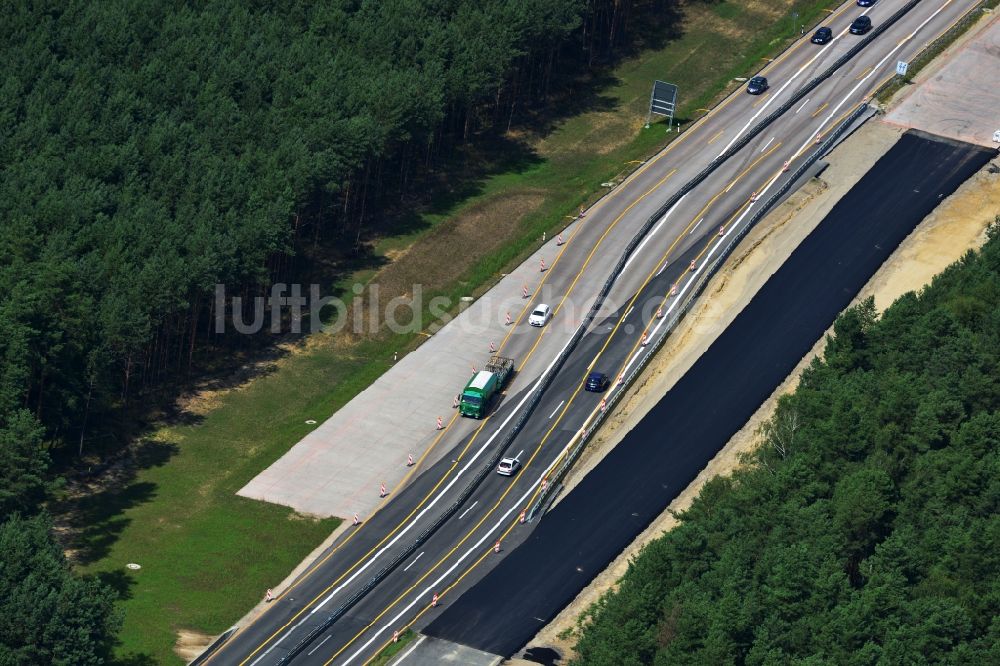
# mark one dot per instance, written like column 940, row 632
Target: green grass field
column 207, row 556
column 386, row 655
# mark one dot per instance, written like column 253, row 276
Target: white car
column 508, row 466
column 540, row 315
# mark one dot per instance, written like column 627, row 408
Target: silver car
column 508, row 466
column 540, row 315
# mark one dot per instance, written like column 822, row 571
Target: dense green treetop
column 47, row 615
column 150, row 151
column 866, row 529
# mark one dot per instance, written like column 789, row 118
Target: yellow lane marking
column 843, row 116
column 586, row 262
column 535, row 494
column 802, row 40
column 532, row 499
column 734, row 181
column 514, row 523
column 718, row 134
column 350, row 536
column 863, row 73
column 548, row 433
column 528, row 302
column 691, row 130
column 760, row 100
column 464, row 450
column 820, row 109
column 458, row 545
column 374, row 548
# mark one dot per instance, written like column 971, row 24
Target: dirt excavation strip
column 955, row 227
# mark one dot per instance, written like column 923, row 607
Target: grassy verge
column 386, row 655
column 206, row 555
column 934, row 49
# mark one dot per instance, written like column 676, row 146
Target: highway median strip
column 738, row 144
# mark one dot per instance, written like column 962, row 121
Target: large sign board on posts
column 662, row 102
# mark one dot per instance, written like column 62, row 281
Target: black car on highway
column 596, row 382
column 861, row 25
column 757, row 85
column 822, row 36
column 866, row 3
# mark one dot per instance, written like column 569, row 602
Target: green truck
column 483, row 386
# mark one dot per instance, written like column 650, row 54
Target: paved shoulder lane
column 676, row 439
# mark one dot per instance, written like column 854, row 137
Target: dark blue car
column 597, row 382
column 822, row 36
column 866, row 3
column 757, row 85
column 861, row 25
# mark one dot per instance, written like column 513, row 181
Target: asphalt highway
column 461, row 551
column 662, row 455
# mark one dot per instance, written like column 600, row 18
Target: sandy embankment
column 955, row 227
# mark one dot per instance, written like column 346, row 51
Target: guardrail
column 215, row 645
column 674, row 318
column 554, row 369
column 933, row 49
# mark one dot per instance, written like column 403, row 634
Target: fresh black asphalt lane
column 667, row 449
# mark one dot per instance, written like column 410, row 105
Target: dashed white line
column 561, row 403
column 767, row 144
column 424, row 511
column 425, row 595
column 631, row 361
column 652, row 233
column 422, row 552
column 468, row 510
column 695, row 226
column 318, row 646
column 803, row 105
column 775, row 96
column 410, row 651
column 874, row 69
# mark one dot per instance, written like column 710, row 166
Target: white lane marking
column 471, row 506
column 695, row 226
column 410, row 651
column 628, row 313
column 661, row 322
column 794, row 76
column 860, row 83
column 309, row 654
column 767, row 144
column 519, row 454
column 422, row 513
column 422, row 552
column 425, row 595
column 764, row 190
column 561, row 403
column 631, row 361
column 653, row 232
column 803, row 105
